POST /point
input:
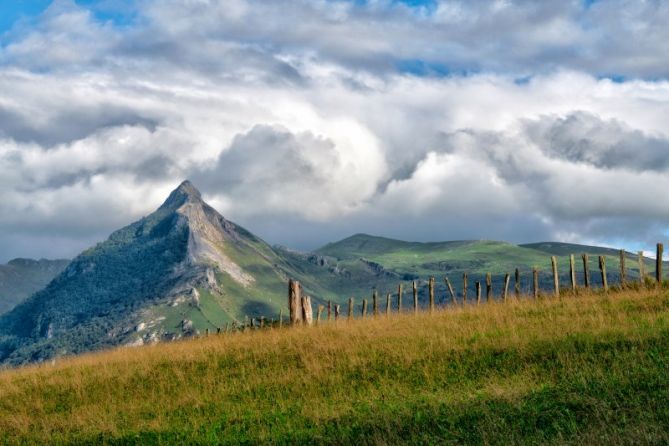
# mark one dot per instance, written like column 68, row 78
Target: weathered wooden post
column 350, row 308
column 556, row 283
column 586, row 271
column 658, row 264
column 450, row 291
column 375, row 303
column 363, row 313
column 602, row 270
column 294, row 301
column 399, row 298
column 505, row 293
column 206, row 332
column 488, row 287
column 218, row 330
column 430, row 286
column 516, row 285
column 318, row 316
column 623, row 273
column 478, row 292
column 336, row 311
column 572, row 273
column 329, row 310
column 642, row 268
column 262, row 321
column 464, row 288
column 388, row 304
column 415, row 297
column 535, row 282
column 307, row 310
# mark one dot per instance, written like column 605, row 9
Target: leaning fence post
column 658, row 264
column 415, row 297
column 350, row 308
column 488, row 287
column 320, row 310
column 363, row 313
column 430, row 286
column 556, row 283
column 517, row 283
column 572, row 273
column 375, row 303
column 623, row 273
column 478, row 292
column 294, row 301
column 586, row 271
column 642, row 269
column 535, row 282
column 507, row 279
column 399, row 298
column 602, row 270
column 307, row 310
column 388, row 304
column 464, row 288
column 450, row 290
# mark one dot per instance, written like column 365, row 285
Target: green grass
column 586, row 370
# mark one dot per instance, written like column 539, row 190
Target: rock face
column 182, row 262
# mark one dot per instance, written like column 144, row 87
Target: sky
column 307, row 121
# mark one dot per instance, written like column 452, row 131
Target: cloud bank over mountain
column 310, row 120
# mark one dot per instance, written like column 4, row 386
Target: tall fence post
column 415, row 297
column 556, row 279
column 642, row 268
column 307, row 310
column 535, row 282
column 430, row 286
column 294, row 301
column 572, row 273
column 329, row 310
column 505, row 293
column 375, row 303
column 399, row 298
column 478, row 292
column 450, row 290
column 464, row 288
column 363, row 313
column 350, row 308
column 516, row 285
column 586, row 271
column 318, row 315
column 658, row 264
column 336, row 312
column 488, row 287
column 623, row 273
column 388, row 304
column 602, row 270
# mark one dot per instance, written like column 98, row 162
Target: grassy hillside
column 586, row 370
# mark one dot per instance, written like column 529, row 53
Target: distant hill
column 20, row 278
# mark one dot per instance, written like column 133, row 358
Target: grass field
column 592, row 369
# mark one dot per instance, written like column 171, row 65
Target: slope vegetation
column 20, row 278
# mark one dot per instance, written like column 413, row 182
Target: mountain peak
column 186, row 192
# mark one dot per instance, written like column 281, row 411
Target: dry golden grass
column 489, row 374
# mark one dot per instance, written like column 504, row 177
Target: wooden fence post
column 430, row 286
column 363, row 313
column 329, row 310
column 535, row 282
column 658, row 264
column 516, row 285
column 399, row 298
column 294, row 301
column 450, row 291
column 642, row 268
column 262, row 321
column 556, row 279
column 488, row 287
column 464, row 288
column 320, row 310
column 623, row 273
column 375, row 303
column 505, row 293
column 572, row 273
column 350, row 308
column 388, row 304
column 586, row 271
column 478, row 292
column 602, row 270
column 307, row 310
column 415, row 297
column 336, row 312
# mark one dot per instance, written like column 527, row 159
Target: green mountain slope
column 20, row 278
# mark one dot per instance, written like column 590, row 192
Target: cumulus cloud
column 310, row 120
